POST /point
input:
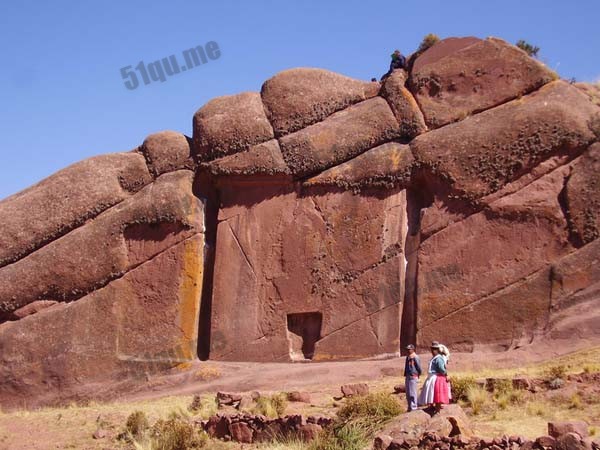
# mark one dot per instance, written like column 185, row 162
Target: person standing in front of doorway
column 412, row 372
column 435, row 392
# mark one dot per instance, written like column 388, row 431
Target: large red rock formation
column 288, row 260
column 454, row 80
column 318, row 219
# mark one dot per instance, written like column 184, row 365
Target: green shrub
column 137, row 424
column 531, row 50
column 376, row 407
column 460, row 386
column 428, row 41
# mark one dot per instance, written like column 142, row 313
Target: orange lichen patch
column 190, row 290
column 206, row 373
column 184, row 366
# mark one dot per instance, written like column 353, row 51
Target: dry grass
column 499, row 413
column 573, row 363
column 528, row 415
column 75, row 424
column 271, row 406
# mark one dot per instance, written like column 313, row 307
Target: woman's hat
column 410, row 347
column 435, row 344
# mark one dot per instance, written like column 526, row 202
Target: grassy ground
column 528, row 414
column 522, row 413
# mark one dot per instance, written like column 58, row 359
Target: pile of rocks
column 415, row 431
column 249, row 428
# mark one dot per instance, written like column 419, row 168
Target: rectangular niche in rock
column 304, row 330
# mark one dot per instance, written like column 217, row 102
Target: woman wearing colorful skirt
column 435, row 391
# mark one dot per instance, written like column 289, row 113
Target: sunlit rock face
column 322, row 218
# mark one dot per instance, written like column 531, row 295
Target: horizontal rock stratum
column 321, row 218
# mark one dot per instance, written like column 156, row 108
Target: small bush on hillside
column 536, row 409
column 271, row 406
column 203, row 407
column 477, row 399
column 504, row 399
column 354, row 435
column 176, row 434
column 376, row 407
column 531, row 50
column 460, row 386
column 554, row 372
column 137, row 424
column 576, row 402
column 428, row 41
column 503, row 386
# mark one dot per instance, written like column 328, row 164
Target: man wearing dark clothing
column 412, row 372
column 398, row 62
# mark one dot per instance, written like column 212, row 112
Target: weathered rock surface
column 592, row 90
column 582, row 195
column 230, row 124
column 287, row 265
column 261, row 159
column 575, row 293
column 66, row 200
column 484, row 152
column 386, row 166
column 137, row 229
column 167, row 151
column 33, row 308
column 404, row 105
column 408, row 430
column 146, row 321
column 515, row 237
column 340, row 137
column 473, row 78
column 353, row 390
column 557, row 429
column 297, row 98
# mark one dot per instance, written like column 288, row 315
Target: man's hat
column 435, row 344
column 410, row 347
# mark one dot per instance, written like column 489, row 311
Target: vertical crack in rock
column 563, row 201
column 243, row 252
column 415, row 202
column 204, row 189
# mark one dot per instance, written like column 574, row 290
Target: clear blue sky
column 62, row 98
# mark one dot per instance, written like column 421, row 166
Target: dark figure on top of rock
column 398, row 62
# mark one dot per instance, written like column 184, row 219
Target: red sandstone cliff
column 322, row 218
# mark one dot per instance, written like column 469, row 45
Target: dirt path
column 243, row 377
